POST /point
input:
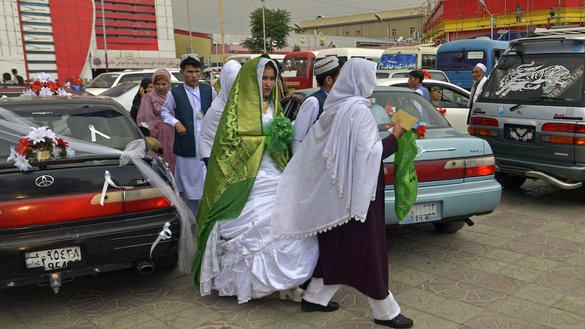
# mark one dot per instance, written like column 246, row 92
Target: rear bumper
column 104, row 245
column 562, row 176
column 456, row 201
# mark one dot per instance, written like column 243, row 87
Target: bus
column 298, row 65
column 457, row 58
column 409, row 57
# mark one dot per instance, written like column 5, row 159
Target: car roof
column 76, row 100
column 309, row 91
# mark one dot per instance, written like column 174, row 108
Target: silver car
column 455, row 171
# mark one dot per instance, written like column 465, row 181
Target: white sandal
column 294, row 294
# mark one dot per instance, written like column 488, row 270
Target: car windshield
column 103, row 81
column 537, row 78
column 110, row 127
column 119, row 89
column 384, row 102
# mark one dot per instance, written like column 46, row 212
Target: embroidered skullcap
column 481, row 66
column 326, row 64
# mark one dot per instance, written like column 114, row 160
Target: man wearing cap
column 326, row 72
column 478, row 75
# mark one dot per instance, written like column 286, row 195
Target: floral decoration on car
column 442, row 110
column 76, row 85
column 44, row 85
column 426, row 74
column 420, row 129
column 40, row 144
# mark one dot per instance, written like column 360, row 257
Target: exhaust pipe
column 468, row 221
column 145, row 268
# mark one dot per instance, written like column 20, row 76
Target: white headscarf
column 229, row 71
column 333, row 176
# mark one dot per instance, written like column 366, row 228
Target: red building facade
column 463, row 19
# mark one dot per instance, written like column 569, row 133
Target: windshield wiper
column 537, row 100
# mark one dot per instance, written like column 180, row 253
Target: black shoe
column 400, row 321
column 312, row 307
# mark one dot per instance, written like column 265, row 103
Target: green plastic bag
column 405, row 180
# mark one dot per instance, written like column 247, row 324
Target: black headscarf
column 137, row 98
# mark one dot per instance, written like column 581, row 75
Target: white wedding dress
column 244, row 259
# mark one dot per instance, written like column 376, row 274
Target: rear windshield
column 552, row 79
column 112, row 128
column 103, row 81
column 460, row 60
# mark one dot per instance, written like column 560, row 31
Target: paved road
column 521, row 267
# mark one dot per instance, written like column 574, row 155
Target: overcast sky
column 205, row 13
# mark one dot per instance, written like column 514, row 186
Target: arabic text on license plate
column 52, row 259
column 421, row 213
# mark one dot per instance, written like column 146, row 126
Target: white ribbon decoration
column 109, row 182
column 95, row 131
column 164, row 234
column 12, row 126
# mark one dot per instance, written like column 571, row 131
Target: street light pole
column 263, row 26
column 221, row 29
column 482, row 4
column 387, row 28
column 104, row 34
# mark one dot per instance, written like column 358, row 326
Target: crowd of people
column 12, row 79
column 250, row 176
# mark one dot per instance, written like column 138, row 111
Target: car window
column 412, row 103
column 103, row 81
column 451, row 98
column 178, row 75
column 112, row 128
column 118, row 90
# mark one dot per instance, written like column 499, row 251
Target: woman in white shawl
column 229, row 71
column 334, row 187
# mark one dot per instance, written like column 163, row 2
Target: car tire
column 449, row 227
column 510, row 182
column 169, row 261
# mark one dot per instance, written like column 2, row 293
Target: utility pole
column 104, row 35
column 221, row 29
column 263, row 26
column 189, row 27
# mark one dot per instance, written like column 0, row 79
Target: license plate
column 420, row 213
column 520, row 133
column 52, row 259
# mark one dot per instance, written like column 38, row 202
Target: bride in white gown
column 237, row 253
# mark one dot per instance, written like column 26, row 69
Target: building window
column 394, row 32
column 412, row 29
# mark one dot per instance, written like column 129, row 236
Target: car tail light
column 66, row 208
column 548, row 130
column 482, row 131
column 436, row 170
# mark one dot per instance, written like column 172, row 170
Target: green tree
column 277, row 23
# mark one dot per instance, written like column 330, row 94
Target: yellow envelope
column 407, row 121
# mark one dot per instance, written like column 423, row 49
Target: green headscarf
column 236, row 155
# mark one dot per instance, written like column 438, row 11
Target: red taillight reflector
column 483, row 121
column 436, row 170
column 559, row 127
column 482, row 132
column 66, row 208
